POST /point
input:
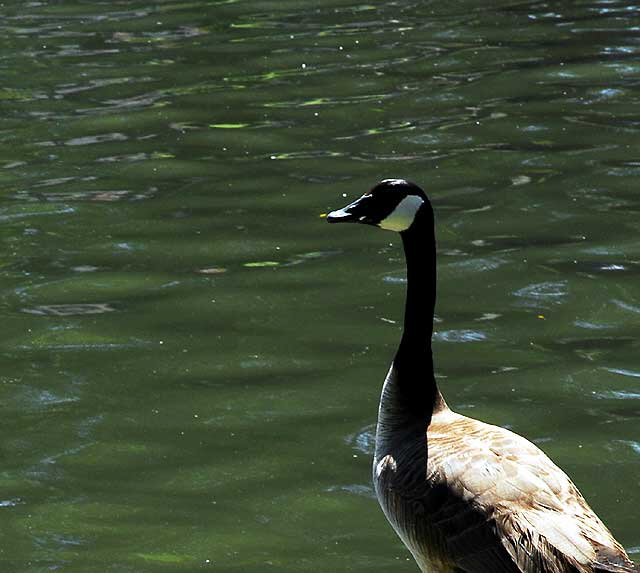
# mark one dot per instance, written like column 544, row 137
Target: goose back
column 485, row 499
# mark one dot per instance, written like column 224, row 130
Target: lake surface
column 192, row 358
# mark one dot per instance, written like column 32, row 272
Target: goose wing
column 505, row 506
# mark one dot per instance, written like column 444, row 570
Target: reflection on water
column 460, row 336
column 69, row 309
column 543, row 294
column 364, row 441
column 192, row 358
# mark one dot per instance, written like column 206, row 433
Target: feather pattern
column 488, row 500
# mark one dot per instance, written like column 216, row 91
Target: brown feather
column 488, row 501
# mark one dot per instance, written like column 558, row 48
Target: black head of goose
column 464, row 496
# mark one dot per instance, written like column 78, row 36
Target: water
column 191, row 357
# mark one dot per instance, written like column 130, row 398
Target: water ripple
column 365, row 440
column 462, row 335
column 69, row 309
column 545, row 293
column 624, row 372
column 635, row 446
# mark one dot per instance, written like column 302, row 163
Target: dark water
column 191, row 357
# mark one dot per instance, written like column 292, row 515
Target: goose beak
column 353, row 213
column 341, row 216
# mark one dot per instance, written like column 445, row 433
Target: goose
column 464, row 496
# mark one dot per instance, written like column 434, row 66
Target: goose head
column 393, row 204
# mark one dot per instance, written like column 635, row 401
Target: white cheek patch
column 402, row 216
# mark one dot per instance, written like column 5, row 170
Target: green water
column 191, row 357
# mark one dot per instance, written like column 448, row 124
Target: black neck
column 417, row 389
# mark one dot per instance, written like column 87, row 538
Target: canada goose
column 464, row 496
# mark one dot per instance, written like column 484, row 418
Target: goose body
column 464, row 496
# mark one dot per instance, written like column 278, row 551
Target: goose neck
column 413, row 363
